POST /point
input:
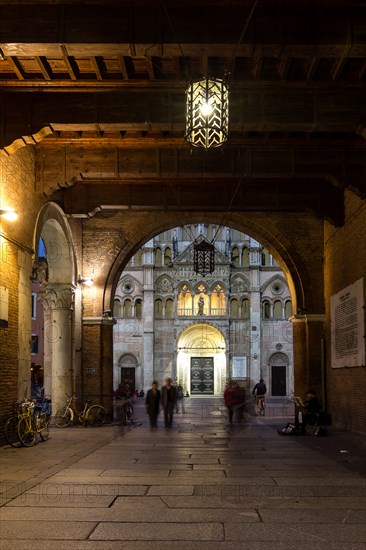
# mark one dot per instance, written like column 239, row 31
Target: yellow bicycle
column 94, row 415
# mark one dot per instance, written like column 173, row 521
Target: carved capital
column 57, row 297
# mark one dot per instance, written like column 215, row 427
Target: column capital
column 57, row 297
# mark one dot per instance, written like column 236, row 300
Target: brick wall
column 17, row 190
column 345, row 263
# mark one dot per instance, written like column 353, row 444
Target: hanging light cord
column 228, row 208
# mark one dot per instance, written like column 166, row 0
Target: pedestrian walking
column 152, row 403
column 168, row 402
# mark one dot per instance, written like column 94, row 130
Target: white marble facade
column 236, row 317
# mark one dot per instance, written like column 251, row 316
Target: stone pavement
column 201, row 485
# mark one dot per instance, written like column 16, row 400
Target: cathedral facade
column 199, row 330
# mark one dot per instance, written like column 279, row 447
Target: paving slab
column 200, row 485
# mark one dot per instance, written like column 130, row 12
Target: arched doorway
column 279, row 374
column 128, row 372
column 201, row 360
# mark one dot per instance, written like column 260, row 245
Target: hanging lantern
column 207, row 116
column 203, row 258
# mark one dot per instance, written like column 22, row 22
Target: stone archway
column 57, row 286
column 201, row 360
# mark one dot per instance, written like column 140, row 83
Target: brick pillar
column 308, row 334
column 106, row 364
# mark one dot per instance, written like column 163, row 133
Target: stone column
column 61, row 300
column 255, row 259
column 47, row 345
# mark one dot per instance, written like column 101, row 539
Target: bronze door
column 202, row 376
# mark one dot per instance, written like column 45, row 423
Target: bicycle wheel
column 11, row 431
column 27, row 431
column 44, row 431
column 123, row 415
column 96, row 415
column 130, row 411
column 63, row 417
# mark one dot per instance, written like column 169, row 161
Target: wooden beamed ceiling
column 113, row 74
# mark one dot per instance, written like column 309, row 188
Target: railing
column 213, row 312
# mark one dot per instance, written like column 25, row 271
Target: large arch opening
column 162, row 310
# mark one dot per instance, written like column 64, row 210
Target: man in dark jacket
column 152, row 403
column 259, row 390
column 168, row 401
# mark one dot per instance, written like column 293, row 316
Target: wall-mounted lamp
column 9, row 214
column 85, row 281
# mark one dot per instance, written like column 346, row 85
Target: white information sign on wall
column 347, row 319
column 239, row 367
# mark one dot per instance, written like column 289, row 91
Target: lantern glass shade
column 203, row 258
column 207, row 113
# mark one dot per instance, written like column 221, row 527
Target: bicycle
column 11, row 425
column 95, row 415
column 127, row 412
column 27, row 429
column 261, row 407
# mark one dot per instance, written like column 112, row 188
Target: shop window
column 34, row 343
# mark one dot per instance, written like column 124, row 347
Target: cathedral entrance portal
column 202, row 360
column 202, row 376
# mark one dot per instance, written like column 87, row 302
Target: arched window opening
column 288, row 309
column 266, row 310
column 277, row 310
column 158, row 257
column 138, row 309
column 245, row 309
column 116, row 309
column 167, row 256
column 245, row 257
column 169, row 309
column 158, row 309
column 218, row 301
column 234, row 308
column 235, row 256
column 184, row 301
column 127, row 308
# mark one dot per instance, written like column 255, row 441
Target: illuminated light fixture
column 9, row 214
column 86, row 281
column 207, row 113
column 203, row 258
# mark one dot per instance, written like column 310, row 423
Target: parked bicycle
column 11, row 425
column 94, row 415
column 127, row 412
column 22, row 428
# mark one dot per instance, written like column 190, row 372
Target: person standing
column 168, row 402
column 152, row 403
column 231, row 398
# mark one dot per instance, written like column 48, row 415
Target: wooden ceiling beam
column 122, row 64
column 17, row 68
column 96, row 67
column 312, row 67
column 43, row 66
